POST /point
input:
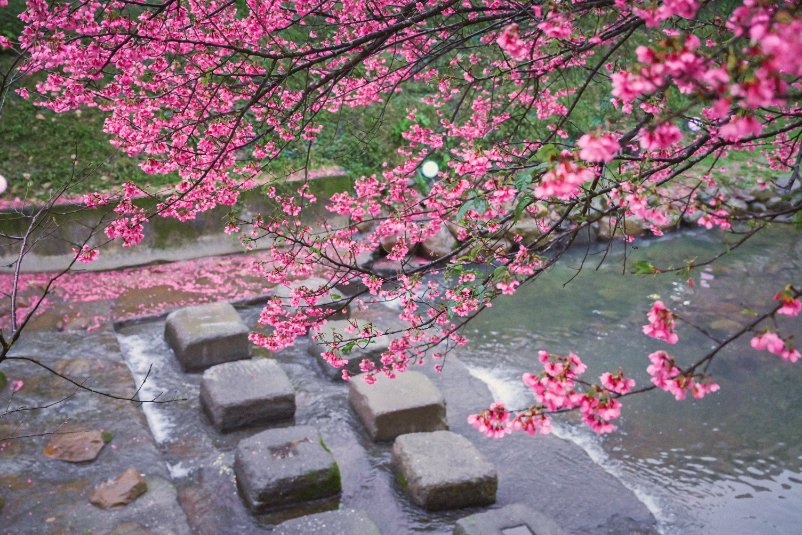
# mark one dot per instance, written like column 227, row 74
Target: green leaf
column 106, row 436
column 523, row 202
column 347, row 348
column 523, row 180
column 748, row 312
column 465, row 208
column 547, row 152
column 644, row 267
column 798, row 221
column 3, row 380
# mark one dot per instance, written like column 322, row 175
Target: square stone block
column 443, row 470
column 320, row 340
column 327, row 300
column 410, row 403
column 344, row 522
column 246, row 392
column 515, row 519
column 282, row 467
column 205, row 335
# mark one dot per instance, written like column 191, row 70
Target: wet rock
column 499, row 246
column 80, row 447
column 724, row 324
column 737, row 206
column 634, row 227
column 691, row 219
column 758, row 207
column 366, row 258
column 454, row 229
column 439, row 245
column 365, row 226
column 410, row 403
column 585, row 236
column 443, row 470
column 246, row 392
column 120, row 491
column 345, row 522
column 385, row 267
column 513, row 519
column 130, row 528
column 317, row 290
column 527, row 228
column 776, row 203
column 321, row 340
column 605, row 229
column 761, row 195
column 281, row 467
column 205, row 335
column 389, row 242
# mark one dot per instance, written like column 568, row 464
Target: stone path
column 190, row 466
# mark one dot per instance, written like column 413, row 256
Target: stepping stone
column 281, row 467
column 205, row 335
column 515, row 519
column 246, row 392
column 409, row 403
column 443, row 470
column 320, row 340
column 345, row 522
column 328, row 300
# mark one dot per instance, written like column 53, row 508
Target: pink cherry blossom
column 792, row 306
column 601, row 148
column 661, row 324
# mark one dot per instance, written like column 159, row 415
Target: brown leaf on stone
column 77, row 447
column 126, row 488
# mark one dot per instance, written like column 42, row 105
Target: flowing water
column 729, row 463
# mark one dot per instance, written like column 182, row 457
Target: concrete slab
column 246, row 392
column 205, row 335
column 333, row 333
column 326, row 298
column 344, row 522
column 515, row 519
column 443, row 470
column 410, row 403
column 282, row 467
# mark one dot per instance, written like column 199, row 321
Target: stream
column 730, row 463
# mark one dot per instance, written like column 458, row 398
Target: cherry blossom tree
column 548, row 120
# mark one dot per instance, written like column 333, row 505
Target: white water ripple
column 140, row 357
column 514, row 394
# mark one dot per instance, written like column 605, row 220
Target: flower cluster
column 667, row 376
column 661, row 323
column 776, row 345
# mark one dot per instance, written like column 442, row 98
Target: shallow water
column 730, row 463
